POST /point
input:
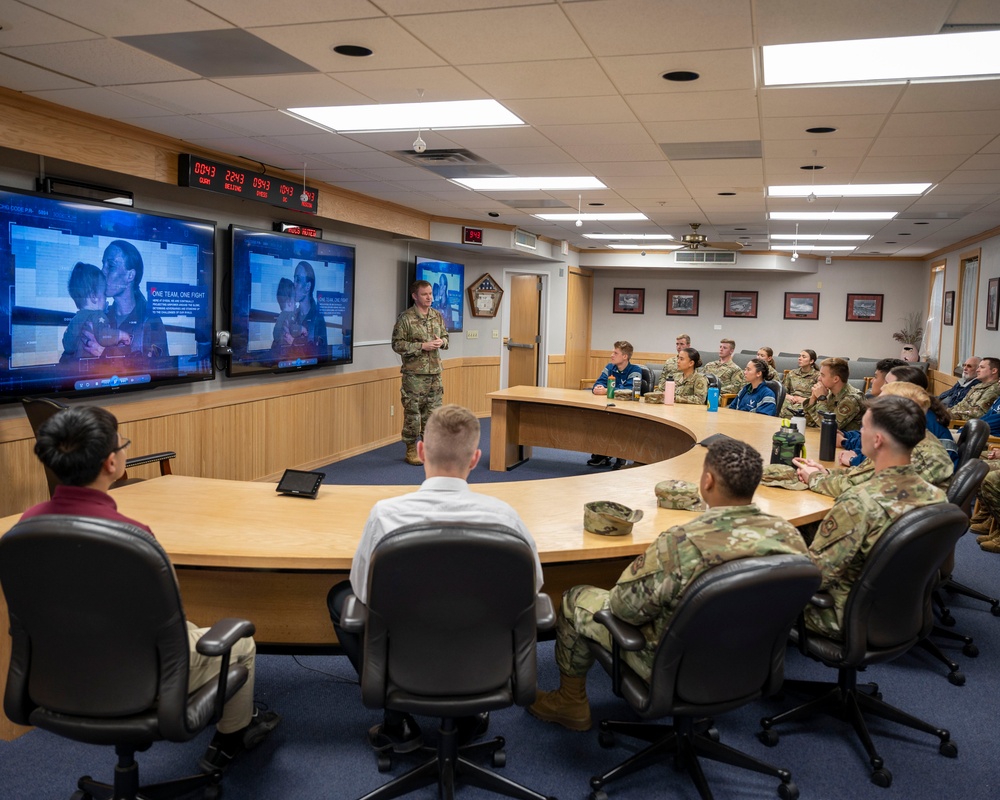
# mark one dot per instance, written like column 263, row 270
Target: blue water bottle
column 713, row 398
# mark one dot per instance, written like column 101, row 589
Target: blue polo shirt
column 623, row 377
column 759, row 401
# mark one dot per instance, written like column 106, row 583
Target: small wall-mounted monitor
column 97, row 298
column 448, row 280
column 292, row 303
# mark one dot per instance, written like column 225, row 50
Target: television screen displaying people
column 448, row 281
column 99, row 298
column 292, row 302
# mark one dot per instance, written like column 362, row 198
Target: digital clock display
column 201, row 173
column 472, row 235
column 298, row 230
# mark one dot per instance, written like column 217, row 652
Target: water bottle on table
column 713, row 398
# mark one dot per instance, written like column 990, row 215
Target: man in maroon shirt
column 86, row 453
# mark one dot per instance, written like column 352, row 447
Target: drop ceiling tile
column 260, row 123
column 720, row 70
column 581, row 77
column 857, row 126
column 319, row 143
column 624, row 27
column 952, row 96
column 800, row 151
column 509, row 157
column 728, row 130
column 367, row 160
column 290, row 12
column 102, row 62
column 489, row 36
column 953, row 123
column 191, row 97
column 101, row 103
column 624, row 183
column 474, row 138
column 295, row 91
column 929, row 145
column 985, row 161
column 978, row 176
column 620, row 133
column 572, row 110
column 828, row 100
column 628, row 152
column 693, row 106
column 734, row 170
column 245, row 147
column 789, row 21
column 404, row 85
column 23, row 77
column 24, row 25
column 647, row 169
column 940, row 165
column 114, row 18
column 392, row 46
column 186, row 129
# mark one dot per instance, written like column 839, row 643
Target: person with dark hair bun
column 890, row 428
column 755, row 396
column 766, row 354
column 691, row 385
column 798, row 383
column 647, row 592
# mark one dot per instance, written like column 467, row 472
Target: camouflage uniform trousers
column 576, row 625
column 420, row 395
column 989, row 492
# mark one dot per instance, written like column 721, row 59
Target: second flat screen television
column 292, row 303
column 448, row 280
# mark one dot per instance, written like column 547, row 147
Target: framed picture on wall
column 629, row 301
column 864, row 307
column 801, row 305
column 949, row 308
column 682, row 302
column 991, row 304
column 740, row 304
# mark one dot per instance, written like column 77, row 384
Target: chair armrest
column 726, row 399
column 821, row 600
column 545, row 616
column 626, row 636
column 354, row 615
column 223, row 635
column 162, row 458
column 955, row 424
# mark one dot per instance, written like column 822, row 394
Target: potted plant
column 910, row 335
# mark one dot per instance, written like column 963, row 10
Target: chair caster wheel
column 788, row 791
column 970, row 650
column 598, row 795
column 948, row 749
column 882, row 777
column 81, row 795
column 769, row 738
column 499, row 758
column 212, row 792
column 948, row 620
column 956, row 678
column 713, row 734
column 606, row 739
column 995, row 611
column 384, row 762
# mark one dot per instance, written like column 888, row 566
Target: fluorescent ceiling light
column 904, row 58
column 645, row 246
column 820, row 237
column 646, row 237
column 409, row 116
column 515, row 184
column 850, row 190
column 811, row 247
column 630, row 217
column 826, row 216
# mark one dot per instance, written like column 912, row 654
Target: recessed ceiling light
column 921, row 223
column 821, row 129
column 904, row 234
column 895, row 59
column 516, row 184
column 813, row 166
column 680, row 76
column 646, row 237
column 352, row 50
column 493, row 214
column 628, row 217
column 727, row 194
column 821, row 216
column 739, row 229
column 409, row 116
column 595, row 204
column 850, row 190
column 890, row 242
column 820, row 237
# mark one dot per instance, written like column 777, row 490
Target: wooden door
column 525, row 334
column 579, row 313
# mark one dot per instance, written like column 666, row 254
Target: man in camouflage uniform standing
column 648, row 591
column 725, row 369
column 979, row 399
column 418, row 336
column 832, row 393
column 891, row 427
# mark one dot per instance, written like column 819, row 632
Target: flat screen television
column 98, row 298
column 292, row 303
column 448, row 280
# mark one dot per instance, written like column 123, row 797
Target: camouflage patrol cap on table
column 609, row 518
column 782, row 476
column 654, row 397
column 623, row 394
column 678, row 494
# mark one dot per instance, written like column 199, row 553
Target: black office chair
column 971, row 441
column 724, row 648
column 887, row 612
column 962, row 493
column 99, row 650
column 647, row 379
column 779, row 393
column 450, row 631
column 39, row 409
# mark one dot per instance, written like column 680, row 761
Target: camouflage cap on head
column 609, row 518
column 654, row 397
column 682, row 495
column 782, row 476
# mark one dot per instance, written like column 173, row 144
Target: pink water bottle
column 668, row 392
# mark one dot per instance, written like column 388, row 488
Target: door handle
column 524, row 346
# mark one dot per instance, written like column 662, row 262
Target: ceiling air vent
column 525, row 239
column 451, row 162
column 704, row 257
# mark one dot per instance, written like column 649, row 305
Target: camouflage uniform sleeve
column 442, row 330
column 977, row 402
column 849, row 411
column 649, row 583
column 811, row 410
column 932, row 462
column 403, row 341
column 733, row 381
column 838, row 539
column 837, row 481
column 700, row 389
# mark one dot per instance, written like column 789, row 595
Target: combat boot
column 991, row 543
column 981, row 519
column 991, row 532
column 411, row 455
column 567, row 706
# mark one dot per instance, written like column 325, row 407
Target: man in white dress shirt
column 450, row 451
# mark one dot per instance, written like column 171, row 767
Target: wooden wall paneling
column 557, row 372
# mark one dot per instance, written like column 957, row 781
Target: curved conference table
column 241, row 549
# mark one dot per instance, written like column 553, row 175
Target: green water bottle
column 611, row 387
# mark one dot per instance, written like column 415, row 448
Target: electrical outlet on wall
column 472, row 334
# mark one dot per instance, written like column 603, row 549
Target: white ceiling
column 586, row 77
